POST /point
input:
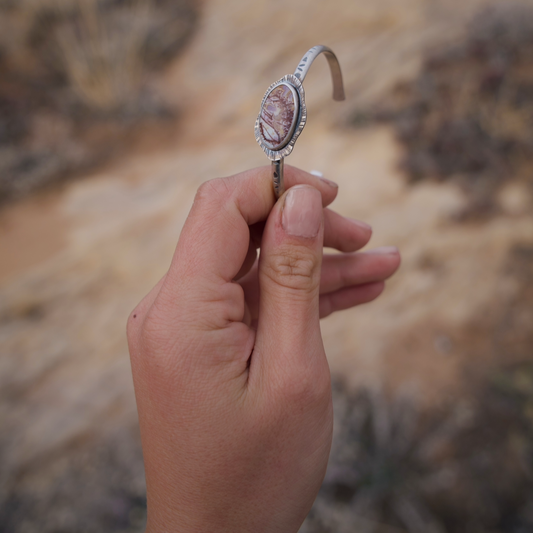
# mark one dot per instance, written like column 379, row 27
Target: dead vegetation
column 468, row 469
column 468, row 117
column 76, row 77
column 89, row 485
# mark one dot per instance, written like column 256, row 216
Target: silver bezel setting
column 276, row 155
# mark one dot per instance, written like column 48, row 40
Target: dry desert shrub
column 93, row 484
column 101, row 49
column 468, row 116
column 466, row 469
column 75, row 76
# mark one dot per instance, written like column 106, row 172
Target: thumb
column 288, row 334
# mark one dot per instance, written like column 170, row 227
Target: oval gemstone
column 278, row 117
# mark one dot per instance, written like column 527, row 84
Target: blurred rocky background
column 112, row 112
column 76, row 81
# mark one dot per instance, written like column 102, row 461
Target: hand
column 231, row 378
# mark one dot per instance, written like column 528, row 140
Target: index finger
column 214, row 240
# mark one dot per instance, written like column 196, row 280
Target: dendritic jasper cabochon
column 279, row 116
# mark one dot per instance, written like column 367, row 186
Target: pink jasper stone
column 278, row 117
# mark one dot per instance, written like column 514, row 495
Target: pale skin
column 231, row 378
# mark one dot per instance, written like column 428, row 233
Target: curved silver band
column 336, row 75
column 301, row 72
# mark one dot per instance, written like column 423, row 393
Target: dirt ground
column 75, row 261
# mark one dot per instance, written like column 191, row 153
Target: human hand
column 231, row 379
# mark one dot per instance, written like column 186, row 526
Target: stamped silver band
column 277, row 177
column 336, row 75
column 283, row 112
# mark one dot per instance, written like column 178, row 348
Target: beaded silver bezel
column 276, row 155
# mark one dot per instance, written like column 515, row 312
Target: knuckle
column 154, row 329
column 213, row 190
column 306, row 389
column 294, row 268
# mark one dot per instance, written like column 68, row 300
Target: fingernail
column 362, row 225
column 383, row 250
column 302, row 212
column 321, row 177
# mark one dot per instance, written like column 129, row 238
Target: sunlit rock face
column 278, row 117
